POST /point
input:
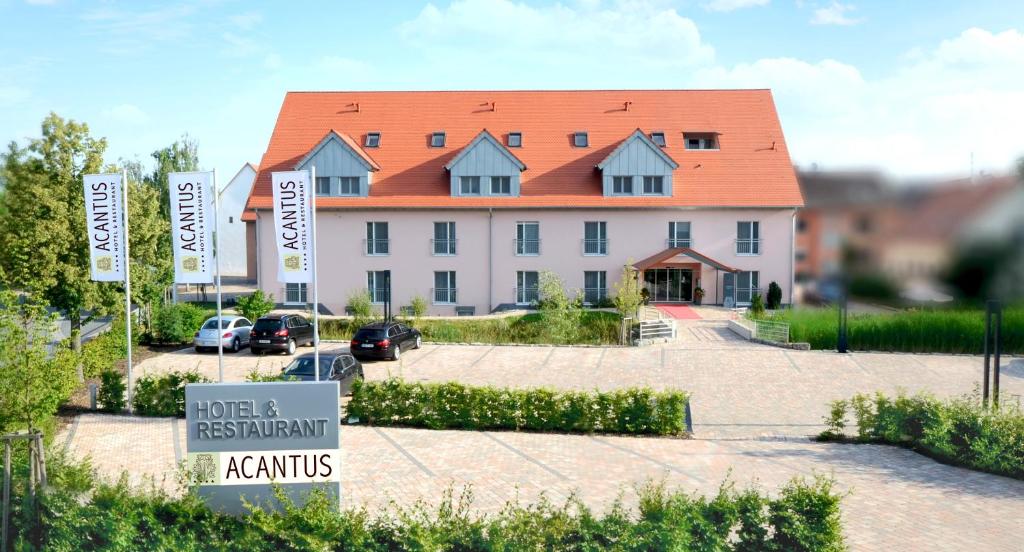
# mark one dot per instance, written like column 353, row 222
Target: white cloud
column 628, row 37
column 129, row 114
column 240, row 46
column 246, row 21
column 126, row 32
column 40, row 2
column 730, row 5
column 11, row 95
column 835, row 14
column 273, row 62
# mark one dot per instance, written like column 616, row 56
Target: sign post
column 127, row 292
column 245, row 438
column 216, row 257
column 316, row 297
column 295, row 236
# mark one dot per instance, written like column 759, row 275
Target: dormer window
column 437, row 140
column 469, row 185
column 701, row 141
column 658, row 138
column 515, row 139
column 580, row 140
column 372, row 140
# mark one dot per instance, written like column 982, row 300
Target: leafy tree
column 33, row 383
column 418, row 307
column 182, row 155
column 561, row 315
column 44, row 235
column 628, row 296
column 255, row 305
column 152, row 266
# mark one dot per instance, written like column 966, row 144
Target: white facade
column 232, row 197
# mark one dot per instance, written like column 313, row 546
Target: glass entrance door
column 669, row 285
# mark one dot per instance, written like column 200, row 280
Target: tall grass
column 596, row 328
column 912, row 331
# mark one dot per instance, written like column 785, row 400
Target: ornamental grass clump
column 453, row 405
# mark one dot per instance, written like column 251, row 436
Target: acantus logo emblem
column 105, row 263
column 293, row 262
column 204, row 469
column 190, row 264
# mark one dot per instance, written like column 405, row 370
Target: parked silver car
column 234, row 333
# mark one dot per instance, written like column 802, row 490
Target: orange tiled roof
column 752, row 168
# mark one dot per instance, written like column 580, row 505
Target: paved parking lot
column 897, row 500
column 739, row 389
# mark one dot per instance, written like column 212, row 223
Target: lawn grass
column 959, row 330
column 597, row 328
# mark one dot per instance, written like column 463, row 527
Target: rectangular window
column 377, row 284
column 679, row 234
column 527, row 238
column 437, row 140
column 372, row 140
column 595, row 238
column 748, row 238
column 444, row 238
column 295, row 293
column 527, row 283
column 377, row 242
column 701, row 141
column 747, row 285
column 654, row 185
column 622, row 185
column 515, row 139
column 348, row 185
column 323, row 185
column 501, row 185
column 444, row 287
column 469, row 185
column 595, row 286
column 580, row 140
column 658, row 138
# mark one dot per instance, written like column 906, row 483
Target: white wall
column 233, row 196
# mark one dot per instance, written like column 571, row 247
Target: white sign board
column 104, row 216
column 293, row 228
column 191, row 199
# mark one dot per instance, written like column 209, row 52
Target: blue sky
column 911, row 87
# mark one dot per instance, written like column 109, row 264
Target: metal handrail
column 526, row 247
column 444, row 247
column 379, row 295
column 444, row 296
column 377, row 247
column 678, row 242
column 750, row 246
column 595, row 246
column 532, row 294
column 602, row 293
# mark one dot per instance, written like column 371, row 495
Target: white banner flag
column 192, row 226
column 104, row 214
column 293, row 228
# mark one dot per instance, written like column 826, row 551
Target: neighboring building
column 234, row 260
column 465, row 197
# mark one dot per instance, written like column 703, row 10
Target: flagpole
column 316, row 298
column 127, row 289
column 216, row 264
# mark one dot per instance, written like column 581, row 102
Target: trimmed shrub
column 103, row 351
column 255, row 305
column 417, row 307
column 757, row 306
column 958, row 431
column 79, row 513
column 774, row 296
column 111, row 393
column 456, row 406
column 163, row 394
column 177, row 323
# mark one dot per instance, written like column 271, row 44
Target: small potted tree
column 698, row 294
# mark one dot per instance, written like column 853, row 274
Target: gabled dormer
column 485, row 167
column 637, row 167
column 343, row 168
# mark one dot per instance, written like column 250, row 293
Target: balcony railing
column 748, row 247
column 379, row 295
column 744, row 295
column 445, row 296
column 678, row 242
column 442, row 247
column 526, row 295
column 377, row 247
column 527, row 247
column 593, row 296
column 595, row 246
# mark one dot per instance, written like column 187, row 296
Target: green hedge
column 80, row 514
column 958, row 431
column 457, row 406
column 174, row 324
column 596, row 328
column 163, row 394
column 914, row 331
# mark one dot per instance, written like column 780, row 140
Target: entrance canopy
column 659, row 259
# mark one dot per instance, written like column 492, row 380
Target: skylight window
column 437, row 140
column 701, row 141
column 658, row 138
column 372, row 140
column 515, row 139
column 580, row 140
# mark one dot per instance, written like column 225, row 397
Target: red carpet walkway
column 681, row 312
